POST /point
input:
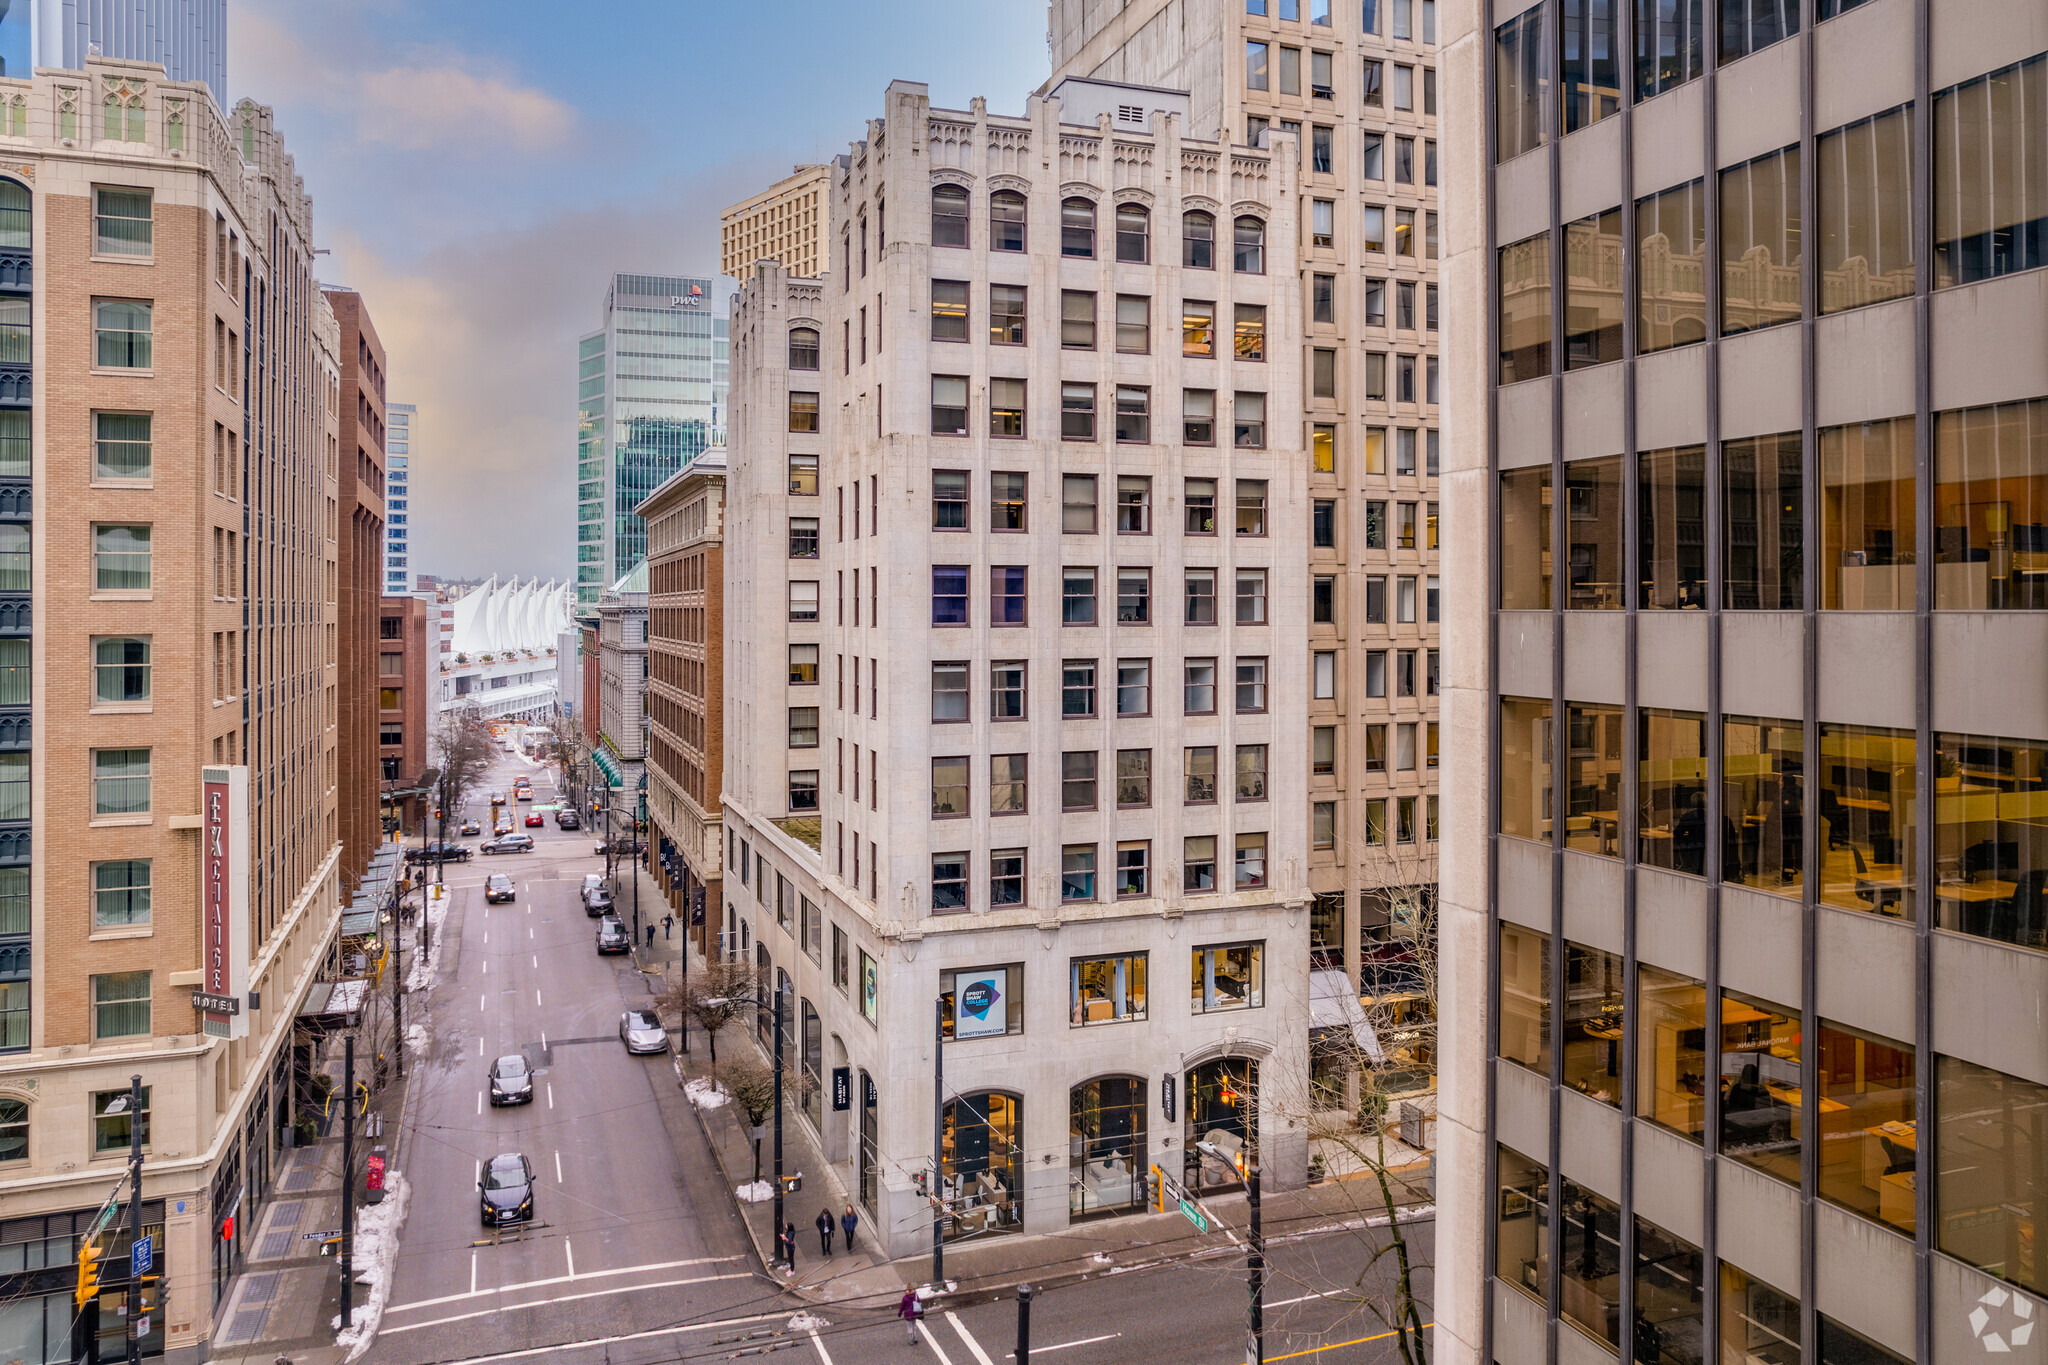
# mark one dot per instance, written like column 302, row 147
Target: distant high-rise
column 778, row 224
column 404, row 419
column 190, row 37
column 650, row 398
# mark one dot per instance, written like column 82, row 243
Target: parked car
column 498, row 887
column 509, row 842
column 623, row 847
column 597, row 901
column 436, row 851
column 641, row 1032
column 535, row 820
column 505, row 1192
column 511, row 1081
column 591, row 881
column 612, row 938
column 566, row 818
column 472, row 827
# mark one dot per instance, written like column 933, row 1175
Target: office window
column 1525, row 997
column 1376, row 735
column 949, row 883
column 803, row 412
column 1319, row 77
column 1008, row 784
column 1521, row 1214
column 1104, row 990
column 1133, row 505
column 1198, row 864
column 1592, row 1025
column 949, row 216
column 1763, row 548
column 1006, row 221
column 1525, row 767
column 1372, row 220
column 1322, row 224
column 1231, row 977
column 1257, row 70
column 1404, row 234
column 1520, row 84
column 1133, row 324
column 120, row 894
column 1248, row 413
column 1251, row 772
column 120, row 1009
column 1077, row 320
column 1251, row 685
column 1134, row 596
column 1592, row 62
column 1864, row 179
column 1077, row 689
column 949, row 310
column 803, row 665
column 1197, row 327
column 1133, row 233
column 1868, row 534
column 1375, row 153
column 1671, row 246
column 1868, row 1126
column 1376, row 822
column 1249, row 240
column 1323, row 524
column 803, row 790
column 949, row 691
column 121, row 334
column 1750, row 25
column 1133, row 414
column 1525, row 307
column 120, row 781
column 1671, row 755
column 1077, row 780
column 1134, row 687
column 1133, row 778
column 1591, row 1272
column 803, row 600
column 1006, row 690
column 1670, row 1043
column 1077, row 228
column 1198, row 769
column 1251, row 506
column 1670, row 49
column 121, row 445
column 1992, row 859
column 1198, row 687
column 949, row 787
column 1289, row 71
column 1077, row 412
column 1077, row 872
column 1991, row 174
column 1761, row 240
column 1077, row 596
column 1008, row 498
column 949, row 499
column 1593, row 496
column 949, row 594
column 1006, row 315
column 1761, row 1113
column 121, row 558
column 1671, row 526
column 1991, row 1176
column 1404, row 87
column 1198, row 417
column 803, row 537
column 1323, row 600
column 1593, row 301
column 1376, row 600
column 1990, row 506
column 1197, row 241
column 1199, row 497
column 122, row 221
column 1199, row 597
column 14, row 424
column 1592, row 774
column 1867, row 780
column 803, row 727
column 1525, row 529
column 1323, row 381
column 949, row 405
column 1323, row 298
column 121, row 669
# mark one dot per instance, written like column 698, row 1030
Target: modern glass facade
column 650, row 397
column 1758, row 972
column 402, row 424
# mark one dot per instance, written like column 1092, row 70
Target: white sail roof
column 498, row 617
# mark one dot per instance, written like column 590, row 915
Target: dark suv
column 612, row 939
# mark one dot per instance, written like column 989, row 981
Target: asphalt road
column 633, row 1227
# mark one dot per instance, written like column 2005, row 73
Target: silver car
column 642, row 1032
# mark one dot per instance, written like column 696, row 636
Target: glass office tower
column 651, row 394
column 1745, row 872
column 403, row 421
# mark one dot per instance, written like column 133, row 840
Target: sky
column 480, row 170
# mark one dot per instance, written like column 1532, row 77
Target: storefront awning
column 613, row 776
column 327, row 999
column 1333, row 1006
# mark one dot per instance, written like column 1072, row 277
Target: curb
column 703, row 1128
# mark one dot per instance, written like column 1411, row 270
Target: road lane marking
column 479, row 1045
column 487, row 936
column 980, row 1356
column 823, row 1354
column 558, row 1172
column 479, row 1170
column 551, row 1094
column 571, row 1252
column 1336, row 1345
column 1061, row 1346
column 536, row 961
column 479, row 1101
column 1305, row 1298
column 487, row 966
column 472, row 1272
column 480, row 1004
column 933, row 1342
column 543, row 1040
column 591, row 1294
column 529, row 931
column 536, row 998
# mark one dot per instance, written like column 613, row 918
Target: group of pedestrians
column 785, row 1240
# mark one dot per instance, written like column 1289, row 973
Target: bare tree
column 713, row 996
column 566, row 744
column 462, row 745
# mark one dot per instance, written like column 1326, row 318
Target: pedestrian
column 650, row 936
column 789, row 1246
column 667, row 923
column 825, row 1226
column 910, row 1308
column 847, row 1223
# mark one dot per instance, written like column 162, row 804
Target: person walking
column 650, row 936
column 825, row 1226
column 667, row 923
column 847, row 1223
column 789, row 1246
column 910, row 1308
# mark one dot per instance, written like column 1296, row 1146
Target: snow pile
column 706, row 1094
column 417, row 1038
column 759, row 1192
column 425, row 966
column 375, row 1254
column 808, row 1322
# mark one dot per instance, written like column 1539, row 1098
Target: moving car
column 437, row 851
column 612, row 939
column 567, row 819
column 509, row 842
column 498, row 887
column 597, row 901
column 524, row 793
column 642, row 1032
column 472, row 827
column 511, row 1081
column 535, row 820
column 506, row 1190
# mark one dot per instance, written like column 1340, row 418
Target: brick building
column 404, row 664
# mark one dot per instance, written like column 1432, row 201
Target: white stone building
column 502, row 639
column 622, row 674
column 992, row 737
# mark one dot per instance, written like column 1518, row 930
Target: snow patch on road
column 808, row 1322
column 759, row 1192
column 706, row 1094
column 375, row 1255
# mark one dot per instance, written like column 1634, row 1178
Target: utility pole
column 1255, row 1267
column 348, row 1174
column 938, row 1141
column 134, row 1216
column 1023, row 1324
column 398, row 992
column 778, row 1119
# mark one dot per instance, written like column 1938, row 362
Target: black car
column 510, row 843
column 597, row 901
column 612, row 938
column 641, row 1032
column 511, row 1081
column 567, row 819
column 471, row 827
column 498, row 887
column 506, row 1190
column 436, row 851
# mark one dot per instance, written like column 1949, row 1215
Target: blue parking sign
column 143, row 1257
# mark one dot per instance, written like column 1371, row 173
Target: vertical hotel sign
column 224, row 901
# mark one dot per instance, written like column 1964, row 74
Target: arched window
column 1077, row 228
column 1133, row 233
column 949, row 215
column 1106, row 1148
column 870, row 1143
column 1006, row 221
column 14, row 214
column 1251, row 246
column 812, row 1044
column 1197, row 241
column 803, row 348
column 1220, row 1123
column 14, row 1112
column 982, row 1174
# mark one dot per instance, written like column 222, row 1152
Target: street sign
column 1194, row 1215
column 842, row 1088
column 320, row 1236
column 142, row 1257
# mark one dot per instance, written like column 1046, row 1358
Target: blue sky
column 478, row 171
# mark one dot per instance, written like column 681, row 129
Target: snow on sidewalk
column 375, row 1256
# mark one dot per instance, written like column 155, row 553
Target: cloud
column 415, row 107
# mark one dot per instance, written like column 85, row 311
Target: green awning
column 613, row 777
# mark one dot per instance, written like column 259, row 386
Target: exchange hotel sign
column 224, row 901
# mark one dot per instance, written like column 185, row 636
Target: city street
column 632, row 1226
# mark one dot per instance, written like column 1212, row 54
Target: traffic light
column 88, row 1274
column 1155, row 1190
